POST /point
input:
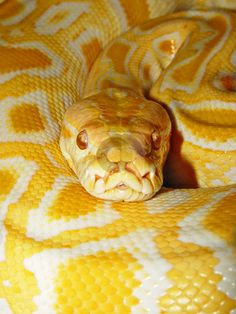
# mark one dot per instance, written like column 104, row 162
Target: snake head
column 117, row 142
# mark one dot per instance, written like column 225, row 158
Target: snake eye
column 82, row 139
column 156, row 140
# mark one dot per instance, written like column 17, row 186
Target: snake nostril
column 114, row 170
column 147, row 175
column 97, row 177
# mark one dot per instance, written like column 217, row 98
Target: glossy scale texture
column 65, row 251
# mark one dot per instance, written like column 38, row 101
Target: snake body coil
column 125, row 87
column 174, row 61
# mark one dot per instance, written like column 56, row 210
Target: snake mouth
column 124, row 181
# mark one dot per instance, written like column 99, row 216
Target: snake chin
column 121, row 184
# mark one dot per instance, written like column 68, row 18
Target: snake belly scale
column 137, row 93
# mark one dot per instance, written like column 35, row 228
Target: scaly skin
column 173, row 60
column 64, row 251
column 123, row 160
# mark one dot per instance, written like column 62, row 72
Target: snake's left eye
column 82, row 139
column 156, row 140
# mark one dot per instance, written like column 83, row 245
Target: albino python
column 116, row 99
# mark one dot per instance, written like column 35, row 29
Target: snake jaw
column 122, row 182
column 134, row 180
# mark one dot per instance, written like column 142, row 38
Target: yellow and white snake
column 119, row 84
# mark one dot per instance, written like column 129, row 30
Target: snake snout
column 121, row 170
column 124, row 169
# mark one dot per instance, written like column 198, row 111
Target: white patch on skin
column 133, row 48
column 40, row 227
column 155, row 69
column 29, row 6
column 38, row 98
column 231, row 174
column 3, row 237
column 226, row 268
column 209, row 104
column 211, row 166
column 75, row 46
column 189, row 136
column 163, row 7
column 16, row 32
column 52, row 160
column 25, row 169
column 67, row 100
column 84, row 38
column 6, row 283
column 71, row 10
column 217, row 182
column 192, row 231
column 5, row 307
column 109, row 72
column 161, row 203
column 119, row 11
column 154, row 282
column 233, row 58
column 140, row 244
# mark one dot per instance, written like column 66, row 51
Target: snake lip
column 131, row 168
column 134, row 180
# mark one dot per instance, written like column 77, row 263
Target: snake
column 117, row 141
column 117, row 156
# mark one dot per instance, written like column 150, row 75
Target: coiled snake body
column 163, row 92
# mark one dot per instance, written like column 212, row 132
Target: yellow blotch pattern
column 135, row 10
column 194, row 280
column 26, row 118
column 118, row 51
column 101, row 283
column 68, row 203
column 10, row 8
column 13, row 59
column 58, row 17
column 18, row 286
column 91, row 50
column 146, row 72
column 168, row 46
column 66, row 133
column 187, row 72
column 7, row 181
column 225, row 217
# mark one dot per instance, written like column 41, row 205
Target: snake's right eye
column 82, row 139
